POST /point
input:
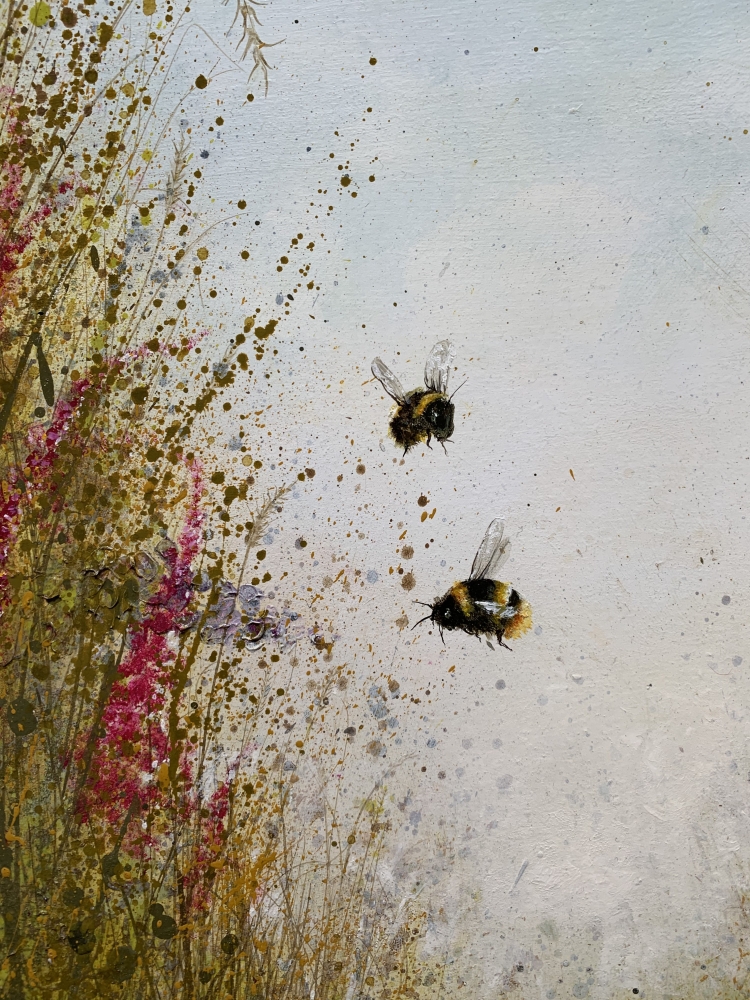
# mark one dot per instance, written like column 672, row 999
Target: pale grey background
column 575, row 219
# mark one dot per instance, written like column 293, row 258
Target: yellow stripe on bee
column 429, row 397
column 462, row 596
column 520, row 622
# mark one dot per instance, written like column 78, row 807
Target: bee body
column 481, row 605
column 422, row 414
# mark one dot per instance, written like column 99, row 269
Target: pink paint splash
column 135, row 742
column 18, row 231
column 134, row 715
column 211, row 816
column 25, row 483
column 15, row 239
column 209, row 835
column 165, row 347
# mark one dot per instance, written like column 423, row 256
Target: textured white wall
column 575, row 219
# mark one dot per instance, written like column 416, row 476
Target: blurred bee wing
column 438, row 366
column 388, row 380
column 492, row 553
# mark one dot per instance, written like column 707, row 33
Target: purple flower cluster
column 240, row 613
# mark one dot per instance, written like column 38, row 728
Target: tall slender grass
column 151, row 755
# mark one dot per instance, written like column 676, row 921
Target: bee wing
column 492, row 608
column 492, row 553
column 388, row 380
column 438, row 366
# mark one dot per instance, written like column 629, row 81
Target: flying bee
column 481, row 605
column 425, row 413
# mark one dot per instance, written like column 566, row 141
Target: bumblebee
column 483, row 606
column 425, row 413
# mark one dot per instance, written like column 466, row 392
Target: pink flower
column 132, row 735
column 33, row 478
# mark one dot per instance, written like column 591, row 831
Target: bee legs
column 429, row 438
column 501, row 642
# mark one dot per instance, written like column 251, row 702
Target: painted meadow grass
column 161, row 711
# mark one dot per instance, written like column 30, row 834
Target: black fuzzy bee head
column 446, row 613
column 439, row 417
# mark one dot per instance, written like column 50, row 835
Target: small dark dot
column 309, row 148
column 257, row 222
column 500, row 685
column 424, row 768
column 466, row 52
column 635, row 991
column 39, row 411
column 64, row 370
column 536, row 48
column 726, row 599
column 204, row 154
